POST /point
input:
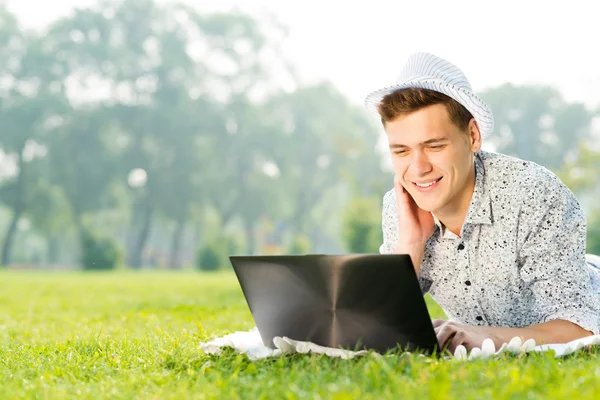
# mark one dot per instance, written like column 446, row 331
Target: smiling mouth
column 427, row 184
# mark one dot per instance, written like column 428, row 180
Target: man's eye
column 400, row 152
column 437, row 146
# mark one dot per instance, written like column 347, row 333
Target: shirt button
column 468, row 283
column 479, row 318
column 461, row 246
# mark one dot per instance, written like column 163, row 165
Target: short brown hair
column 406, row 101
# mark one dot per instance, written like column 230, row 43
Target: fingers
column 438, row 322
column 402, row 195
column 405, row 202
column 445, row 332
column 458, row 339
column 450, row 335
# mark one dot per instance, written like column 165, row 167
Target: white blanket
column 250, row 343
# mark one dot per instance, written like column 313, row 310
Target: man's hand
column 415, row 225
column 451, row 334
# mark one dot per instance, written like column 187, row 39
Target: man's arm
column 556, row 331
column 391, row 236
column 552, row 261
column 451, row 334
column 552, row 264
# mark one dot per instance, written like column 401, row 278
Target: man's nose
column 420, row 164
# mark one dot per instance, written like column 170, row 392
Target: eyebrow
column 430, row 141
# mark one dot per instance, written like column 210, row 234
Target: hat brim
column 473, row 103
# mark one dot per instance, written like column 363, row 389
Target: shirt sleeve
column 389, row 224
column 552, row 256
column 391, row 234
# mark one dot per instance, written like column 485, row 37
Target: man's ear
column 474, row 135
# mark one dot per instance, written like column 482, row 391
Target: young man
column 498, row 242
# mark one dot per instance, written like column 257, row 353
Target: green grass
column 136, row 335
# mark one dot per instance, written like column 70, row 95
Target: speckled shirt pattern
column 520, row 259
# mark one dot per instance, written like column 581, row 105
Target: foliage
column 98, row 253
column 536, row 123
column 209, row 258
column 593, row 232
column 214, row 255
column 581, row 175
column 189, row 99
column 362, row 225
column 120, row 90
column 300, row 245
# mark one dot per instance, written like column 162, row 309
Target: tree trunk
column 80, row 234
column 198, row 234
column 228, row 212
column 174, row 259
column 304, row 204
column 79, row 226
column 251, row 237
column 9, row 237
column 18, row 208
column 53, row 250
column 135, row 260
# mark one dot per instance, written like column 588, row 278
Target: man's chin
column 429, row 209
column 426, row 205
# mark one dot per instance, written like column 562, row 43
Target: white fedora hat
column 427, row 71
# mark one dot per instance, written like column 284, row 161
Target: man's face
column 433, row 158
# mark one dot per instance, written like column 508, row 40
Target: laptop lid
column 356, row 301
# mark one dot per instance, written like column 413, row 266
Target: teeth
column 424, row 185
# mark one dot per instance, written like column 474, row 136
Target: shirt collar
column 443, row 232
column 480, row 208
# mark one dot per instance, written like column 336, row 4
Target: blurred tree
column 593, row 232
column 320, row 143
column 362, row 225
column 137, row 52
column 98, row 253
column 29, row 105
column 535, row 123
column 193, row 102
column 165, row 68
column 241, row 179
column 209, row 258
column 12, row 49
column 214, row 253
column 49, row 213
column 82, row 164
column 300, row 245
column 582, row 171
column 581, row 174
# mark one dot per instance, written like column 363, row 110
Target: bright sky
column 362, row 47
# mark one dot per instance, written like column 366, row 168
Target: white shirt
column 521, row 258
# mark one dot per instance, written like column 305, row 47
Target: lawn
column 127, row 335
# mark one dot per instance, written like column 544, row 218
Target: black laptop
column 355, row 302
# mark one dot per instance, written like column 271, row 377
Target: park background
column 142, row 142
column 167, row 135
